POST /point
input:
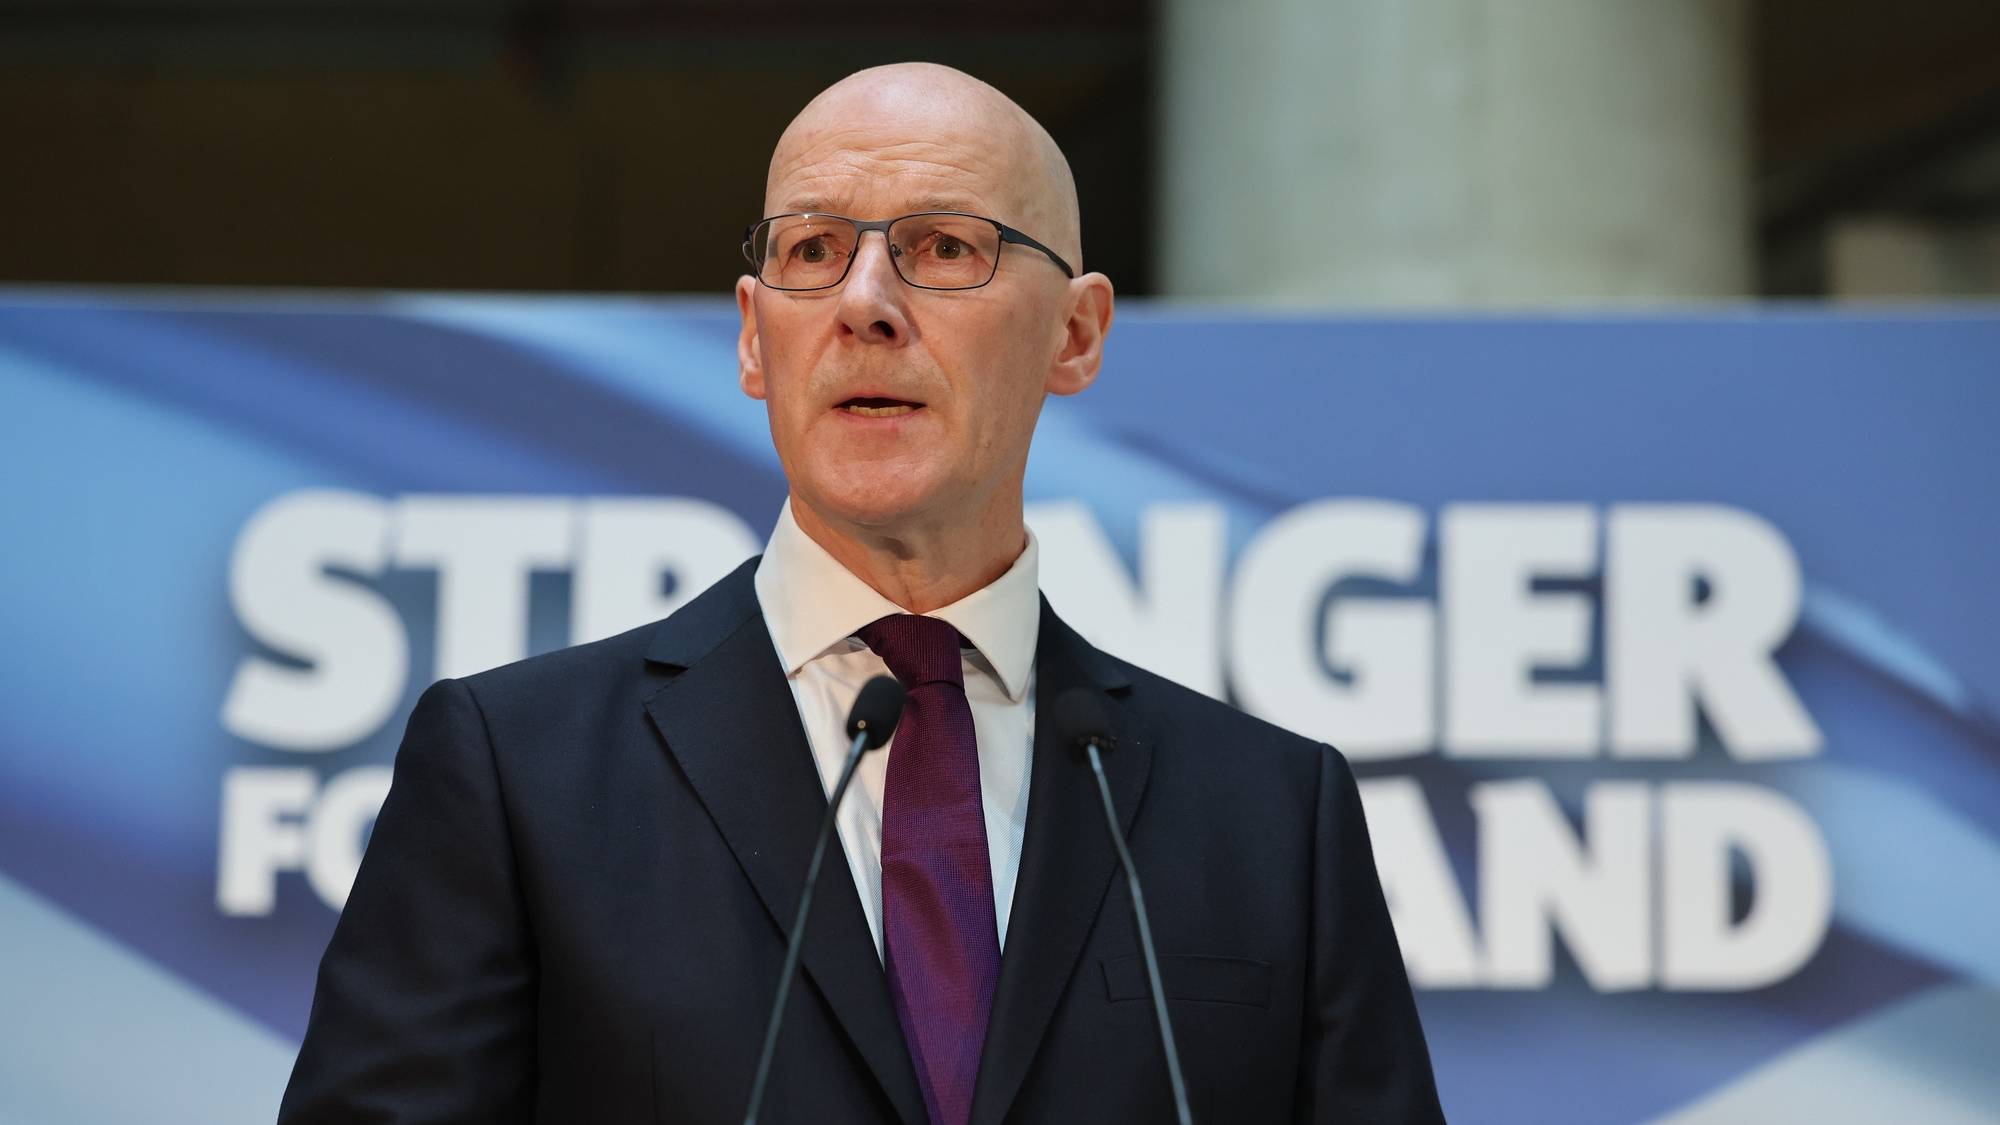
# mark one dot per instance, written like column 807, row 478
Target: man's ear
column 749, row 355
column 1080, row 349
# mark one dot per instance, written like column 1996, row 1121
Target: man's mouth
column 871, row 407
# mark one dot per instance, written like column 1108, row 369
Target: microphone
column 869, row 724
column 1081, row 721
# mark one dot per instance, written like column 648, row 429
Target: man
column 573, row 906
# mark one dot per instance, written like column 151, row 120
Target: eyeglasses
column 930, row 250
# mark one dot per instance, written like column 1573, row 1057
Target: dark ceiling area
column 619, row 145
column 1865, row 109
column 575, row 146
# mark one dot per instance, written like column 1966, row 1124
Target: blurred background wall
column 1451, row 153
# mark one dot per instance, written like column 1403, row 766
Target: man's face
column 890, row 403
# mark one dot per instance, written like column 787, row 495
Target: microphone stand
column 1174, row 1076
column 792, row 947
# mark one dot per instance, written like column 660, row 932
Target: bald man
column 574, row 905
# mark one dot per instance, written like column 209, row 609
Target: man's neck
column 921, row 566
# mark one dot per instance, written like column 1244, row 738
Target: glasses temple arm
column 1009, row 234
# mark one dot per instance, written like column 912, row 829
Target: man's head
column 837, row 367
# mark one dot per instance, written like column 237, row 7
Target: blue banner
column 1663, row 644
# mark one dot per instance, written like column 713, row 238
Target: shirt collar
column 812, row 605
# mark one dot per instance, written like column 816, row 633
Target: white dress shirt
column 813, row 605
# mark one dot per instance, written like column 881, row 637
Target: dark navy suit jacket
column 574, row 903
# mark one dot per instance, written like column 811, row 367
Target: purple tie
column 940, row 943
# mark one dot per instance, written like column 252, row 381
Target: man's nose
column 872, row 298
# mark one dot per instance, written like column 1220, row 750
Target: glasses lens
column 945, row 251
column 802, row 251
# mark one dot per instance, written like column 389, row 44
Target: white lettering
column 349, row 637
column 1169, row 621
column 263, row 833
column 630, row 544
column 1384, row 644
column 1536, row 876
column 1791, row 879
column 1667, row 647
column 1497, row 631
column 484, row 548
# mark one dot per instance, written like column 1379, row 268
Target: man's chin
column 881, row 516
column 885, row 501
column 879, row 503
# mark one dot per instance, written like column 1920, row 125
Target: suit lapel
column 730, row 721
column 1067, row 863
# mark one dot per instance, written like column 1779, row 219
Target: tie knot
column 918, row 650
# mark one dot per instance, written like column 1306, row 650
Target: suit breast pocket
column 1209, row 980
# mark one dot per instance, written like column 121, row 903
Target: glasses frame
column 861, row 227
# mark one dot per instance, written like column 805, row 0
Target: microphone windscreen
column 876, row 710
column 1078, row 716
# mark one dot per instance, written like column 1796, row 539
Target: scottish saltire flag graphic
column 1664, row 646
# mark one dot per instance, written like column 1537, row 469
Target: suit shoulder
column 1206, row 719
column 589, row 661
column 679, row 637
column 558, row 693
column 599, row 685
